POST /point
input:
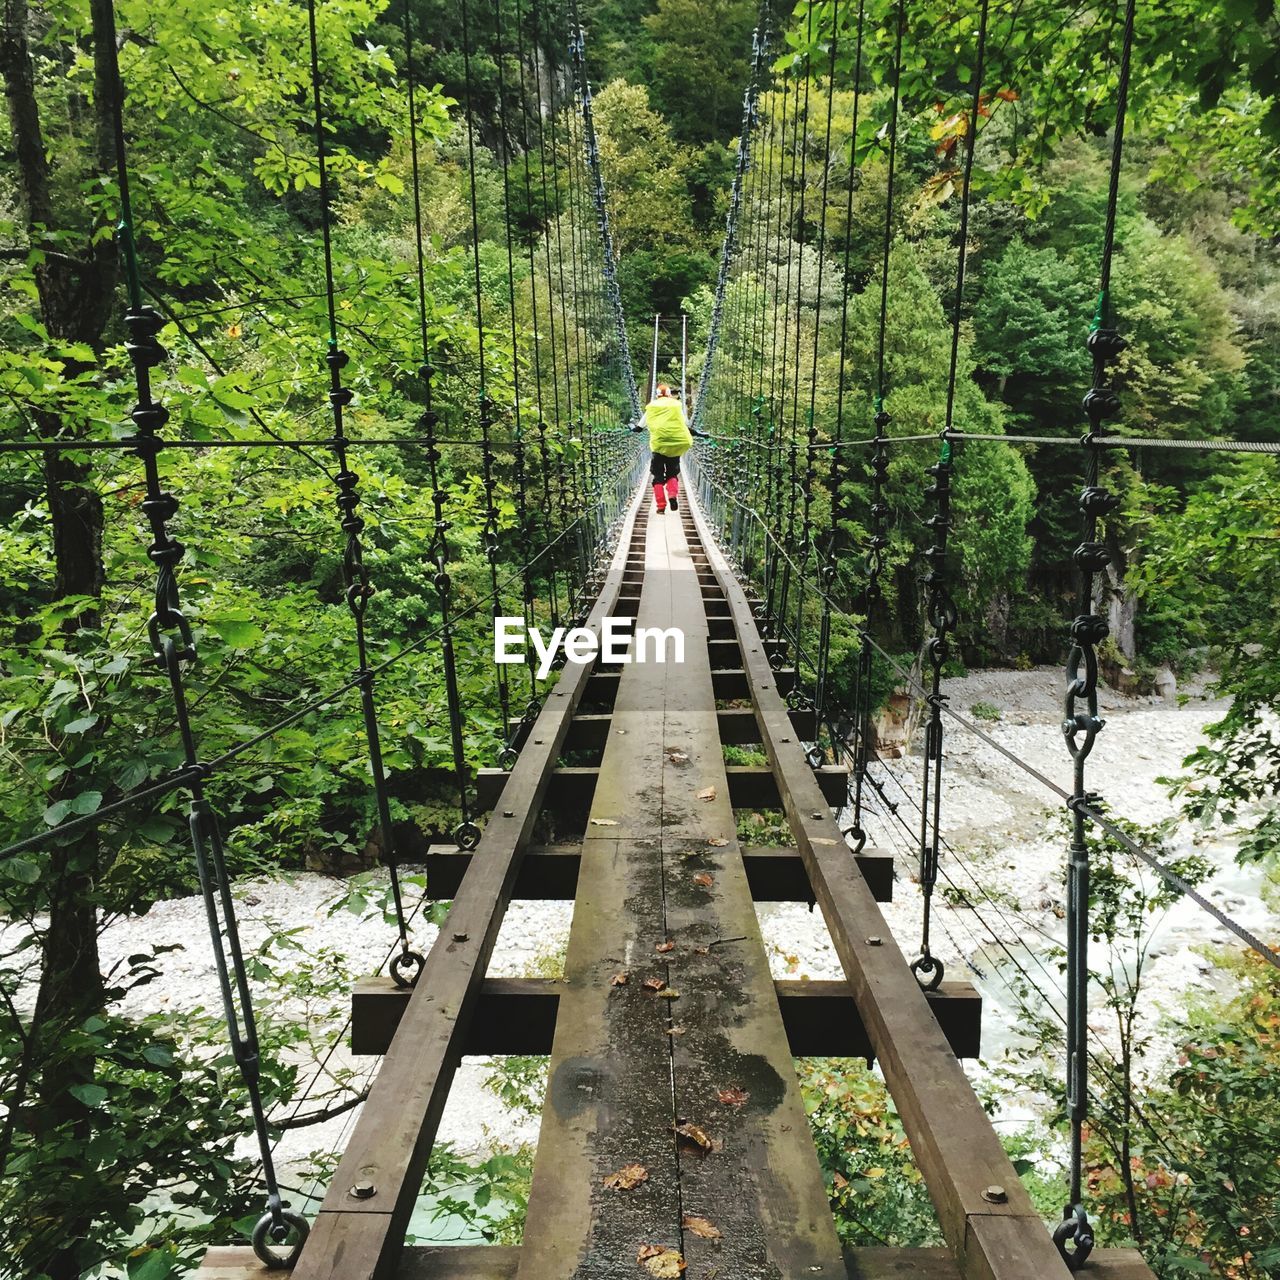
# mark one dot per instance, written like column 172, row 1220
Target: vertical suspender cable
column 1074, row 1235
column 878, row 542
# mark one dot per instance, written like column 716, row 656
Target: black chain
column 1074, row 1235
column 173, row 646
column 406, row 967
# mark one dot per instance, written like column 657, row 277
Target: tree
column 700, row 64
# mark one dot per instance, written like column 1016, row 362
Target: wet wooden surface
column 629, row 1064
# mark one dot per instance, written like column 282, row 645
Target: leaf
column 874, row 1172
column 664, row 947
column 92, row 1095
column 87, row 802
column 717, row 842
column 55, row 813
column 654, row 984
column 701, row 1227
column 696, row 1137
column 733, row 1096
column 603, row 822
column 666, row 1264
column 81, row 725
column 707, row 793
column 154, row 1264
column 626, row 1178
column 237, row 628
column 675, row 1031
column 619, row 979
column 22, row 870
column 669, row 994
column 677, row 757
column 705, row 879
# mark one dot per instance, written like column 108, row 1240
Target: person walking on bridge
column 669, row 439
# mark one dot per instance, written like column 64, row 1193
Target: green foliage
column 877, row 1194
column 1211, row 575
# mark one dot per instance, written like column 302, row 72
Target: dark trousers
column 663, row 468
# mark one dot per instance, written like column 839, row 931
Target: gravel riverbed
column 1005, row 860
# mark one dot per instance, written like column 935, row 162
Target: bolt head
column 875, row 941
column 363, row 1191
column 995, row 1194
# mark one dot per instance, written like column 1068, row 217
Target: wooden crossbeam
column 495, row 1262
column 590, row 730
column 518, row 1016
column 551, row 871
column 751, row 786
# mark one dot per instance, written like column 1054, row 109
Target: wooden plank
column 613, row 1077
column 362, row 1239
column 951, row 1136
column 518, row 1016
column 497, row 1262
column 551, row 872
column 763, row 1190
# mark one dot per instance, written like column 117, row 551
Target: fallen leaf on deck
column 733, row 1096
column 707, row 793
column 717, row 842
column 839, row 1181
column 668, row 994
column 648, row 1251
column 628, row 1177
column 696, row 1137
column 677, row 757
column 603, row 822
column 705, row 879
column 666, row 1264
column 702, row 951
column 654, row 984
column 619, row 979
column 664, row 947
column 675, row 1031
column 701, row 1227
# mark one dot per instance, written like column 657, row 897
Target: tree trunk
column 76, row 294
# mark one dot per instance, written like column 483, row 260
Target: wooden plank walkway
column 630, row 1065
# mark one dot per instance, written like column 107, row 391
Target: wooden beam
column 362, row 1238
column 952, row 1139
column 738, row 725
column 751, row 786
column 733, row 683
column 498, row 1262
column 518, row 1016
column 550, row 871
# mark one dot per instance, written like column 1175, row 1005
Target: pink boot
column 660, row 496
column 673, row 492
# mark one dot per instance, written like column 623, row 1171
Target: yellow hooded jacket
column 668, row 431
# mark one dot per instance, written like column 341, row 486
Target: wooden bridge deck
column 663, row 901
column 670, row 1043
